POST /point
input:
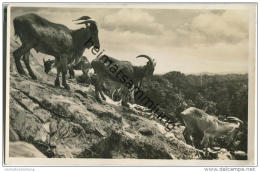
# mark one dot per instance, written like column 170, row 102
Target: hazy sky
column 190, row 41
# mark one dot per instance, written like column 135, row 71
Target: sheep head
column 83, row 18
column 234, row 119
column 91, row 24
column 150, row 65
column 48, row 65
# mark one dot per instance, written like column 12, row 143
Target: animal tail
column 17, row 24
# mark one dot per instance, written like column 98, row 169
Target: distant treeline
column 221, row 95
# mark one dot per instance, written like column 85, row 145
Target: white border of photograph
column 142, row 162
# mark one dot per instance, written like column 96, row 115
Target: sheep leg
column 205, row 142
column 72, row 73
column 102, row 95
column 124, row 103
column 27, row 64
column 113, row 94
column 63, row 66
column 98, row 90
column 101, row 87
column 132, row 97
column 57, row 81
column 197, row 139
column 17, row 56
column 188, row 137
column 64, row 83
column 124, row 97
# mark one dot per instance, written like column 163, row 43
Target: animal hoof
column 98, row 100
column 57, row 83
column 124, row 104
column 22, row 73
column 66, row 86
column 34, row 77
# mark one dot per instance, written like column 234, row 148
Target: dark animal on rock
column 53, row 39
column 103, row 67
column 82, row 64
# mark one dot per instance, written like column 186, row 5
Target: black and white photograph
column 130, row 84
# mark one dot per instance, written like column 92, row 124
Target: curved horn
column 82, row 18
column 88, row 21
column 235, row 119
column 145, row 56
column 149, row 58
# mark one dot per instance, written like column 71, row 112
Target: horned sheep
column 53, row 39
column 121, row 72
column 207, row 127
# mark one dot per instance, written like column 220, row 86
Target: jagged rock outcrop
column 72, row 124
column 62, row 123
column 23, row 149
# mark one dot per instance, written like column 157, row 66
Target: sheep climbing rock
column 121, row 72
column 53, row 39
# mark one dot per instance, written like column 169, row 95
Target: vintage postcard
column 131, row 84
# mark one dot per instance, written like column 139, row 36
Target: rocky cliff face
column 72, row 124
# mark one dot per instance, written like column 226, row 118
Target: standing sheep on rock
column 53, row 39
column 121, row 72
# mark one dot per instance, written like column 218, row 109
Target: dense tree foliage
column 221, row 95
